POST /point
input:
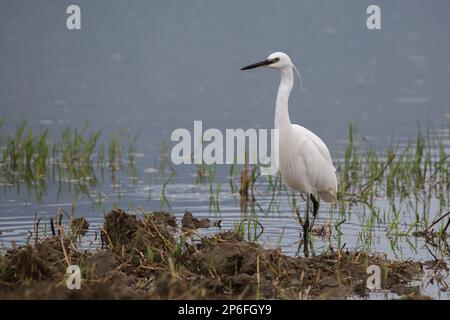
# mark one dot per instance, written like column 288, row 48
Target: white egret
column 304, row 159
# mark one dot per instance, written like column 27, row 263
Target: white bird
column 304, row 159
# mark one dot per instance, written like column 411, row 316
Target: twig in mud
column 297, row 211
column 36, row 230
column 262, row 229
column 65, row 212
column 435, row 258
column 58, row 221
column 257, row 278
column 359, row 255
column 61, row 231
column 428, row 233
column 436, row 221
column 338, row 225
column 102, row 233
column 299, row 247
column 52, row 227
column 446, row 226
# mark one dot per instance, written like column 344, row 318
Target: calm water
column 159, row 66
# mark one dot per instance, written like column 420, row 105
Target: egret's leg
column 315, row 208
column 306, row 229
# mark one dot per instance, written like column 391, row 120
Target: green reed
column 72, row 160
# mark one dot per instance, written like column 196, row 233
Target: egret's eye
column 275, row 60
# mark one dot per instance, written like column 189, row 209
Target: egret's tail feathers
column 328, row 196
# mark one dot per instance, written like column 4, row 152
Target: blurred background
column 160, row 65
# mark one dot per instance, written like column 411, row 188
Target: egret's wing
column 318, row 143
column 316, row 158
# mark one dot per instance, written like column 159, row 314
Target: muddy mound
column 152, row 235
column 149, row 257
column 109, row 289
column 224, row 256
column 79, row 226
column 39, row 272
column 189, row 222
column 26, row 264
column 156, row 232
column 37, row 262
column 251, row 271
column 120, row 228
column 162, row 218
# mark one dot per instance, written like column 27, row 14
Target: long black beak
column 258, row 64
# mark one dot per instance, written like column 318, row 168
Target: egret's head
column 277, row 60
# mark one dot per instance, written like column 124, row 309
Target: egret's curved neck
column 282, row 109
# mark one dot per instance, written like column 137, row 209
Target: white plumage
column 304, row 159
column 305, row 163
